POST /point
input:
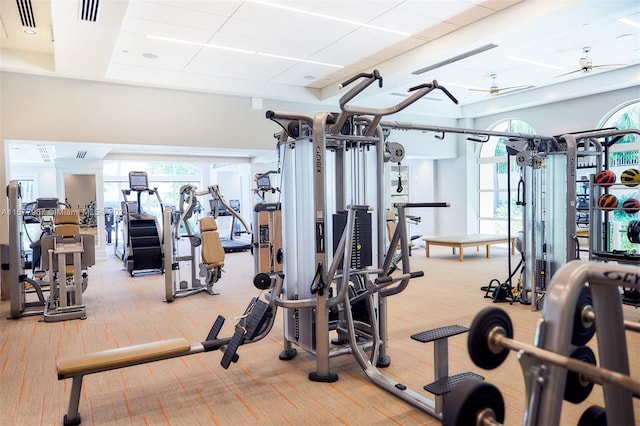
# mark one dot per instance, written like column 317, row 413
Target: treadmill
column 237, row 239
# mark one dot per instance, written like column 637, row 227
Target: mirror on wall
column 80, row 194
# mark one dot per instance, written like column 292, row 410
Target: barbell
column 491, row 338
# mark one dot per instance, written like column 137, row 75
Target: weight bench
column 254, row 325
column 77, row 367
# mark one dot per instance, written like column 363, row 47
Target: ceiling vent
column 81, row 154
column 89, row 10
column 25, row 9
column 44, row 153
column 456, row 58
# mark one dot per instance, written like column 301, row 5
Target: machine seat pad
column 111, row 359
column 213, row 265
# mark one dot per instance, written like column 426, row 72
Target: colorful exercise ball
column 631, row 206
column 605, row 178
column 630, row 177
column 608, row 202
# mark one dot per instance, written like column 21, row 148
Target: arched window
column 493, row 181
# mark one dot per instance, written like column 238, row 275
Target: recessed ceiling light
column 309, row 77
column 630, row 22
column 246, row 51
column 30, row 32
column 150, row 55
column 332, row 18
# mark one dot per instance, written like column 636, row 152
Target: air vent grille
column 81, row 154
column 89, row 10
column 456, row 58
column 44, row 153
column 25, row 9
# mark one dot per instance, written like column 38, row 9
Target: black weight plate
column 576, row 389
column 593, row 416
column 581, row 334
column 478, row 339
column 468, row 399
column 262, row 281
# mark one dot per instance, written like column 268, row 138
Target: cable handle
column 375, row 75
column 434, row 84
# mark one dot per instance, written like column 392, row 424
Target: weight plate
column 577, row 388
column 582, row 332
column 478, row 343
column 593, row 416
column 469, row 401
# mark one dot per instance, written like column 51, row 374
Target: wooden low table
column 461, row 241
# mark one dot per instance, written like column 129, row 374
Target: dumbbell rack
column 443, row 383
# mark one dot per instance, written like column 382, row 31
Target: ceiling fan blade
column 570, row 72
column 511, row 88
column 608, row 65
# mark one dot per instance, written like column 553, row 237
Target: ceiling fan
column 496, row 90
column 586, row 65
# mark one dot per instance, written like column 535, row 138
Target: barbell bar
column 491, row 338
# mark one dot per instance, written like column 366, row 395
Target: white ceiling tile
column 359, row 44
column 402, row 20
column 130, row 48
column 178, row 16
column 237, row 65
column 155, row 28
column 269, row 38
column 215, row 7
column 261, row 14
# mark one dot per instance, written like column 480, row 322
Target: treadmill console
column 138, row 181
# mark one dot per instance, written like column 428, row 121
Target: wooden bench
column 461, row 241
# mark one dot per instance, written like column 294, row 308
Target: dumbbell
column 491, row 338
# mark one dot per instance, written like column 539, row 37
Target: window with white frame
column 493, row 182
column 167, row 177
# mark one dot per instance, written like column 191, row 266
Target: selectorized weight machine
column 66, row 255
column 337, row 263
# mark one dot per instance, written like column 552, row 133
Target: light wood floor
column 259, row 388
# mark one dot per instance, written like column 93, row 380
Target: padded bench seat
column 79, row 366
column 121, row 357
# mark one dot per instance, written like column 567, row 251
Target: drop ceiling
column 301, row 50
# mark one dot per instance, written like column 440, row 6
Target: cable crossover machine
column 338, row 270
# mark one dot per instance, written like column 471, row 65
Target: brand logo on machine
column 318, row 159
column 626, row 277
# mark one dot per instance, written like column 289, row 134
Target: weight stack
column 361, row 250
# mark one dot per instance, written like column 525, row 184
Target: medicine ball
column 630, row 177
column 605, row 178
column 608, row 202
column 631, row 206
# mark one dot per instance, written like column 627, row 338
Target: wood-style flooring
column 259, row 388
